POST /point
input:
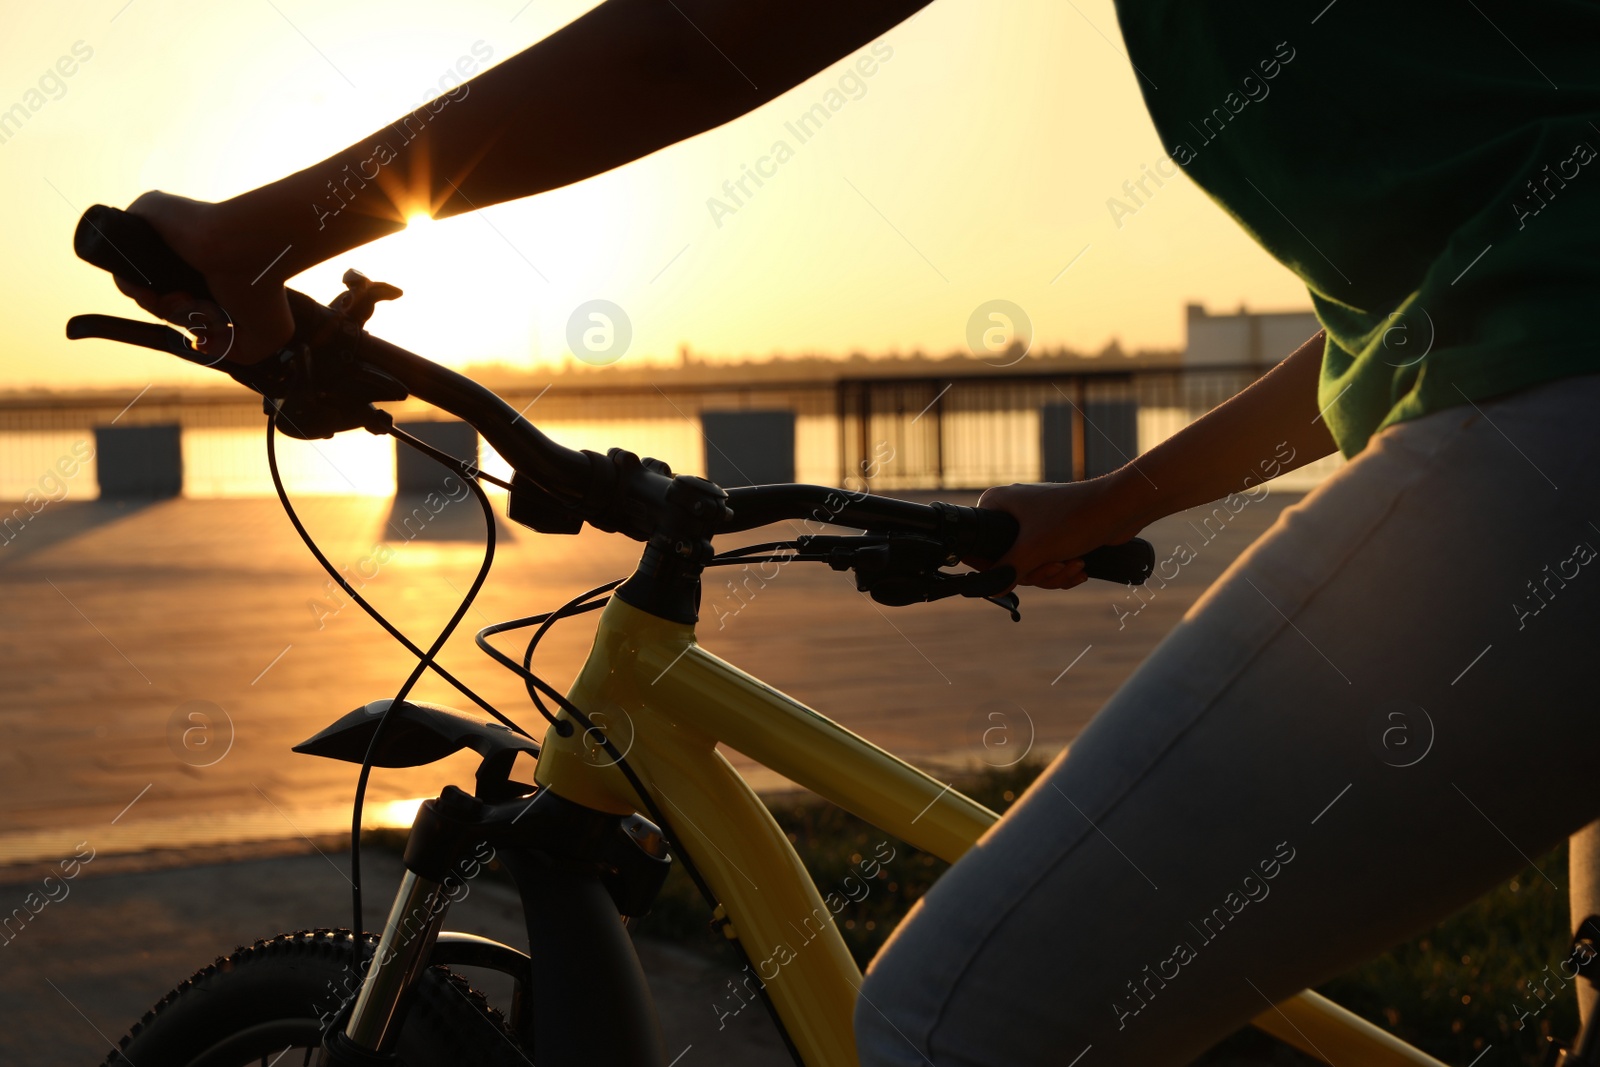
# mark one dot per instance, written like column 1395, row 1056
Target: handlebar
column 351, row 369
column 561, row 471
column 973, row 533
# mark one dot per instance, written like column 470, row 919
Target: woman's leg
column 1584, row 867
column 1383, row 708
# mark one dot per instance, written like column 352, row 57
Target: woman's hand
column 249, row 318
column 1061, row 522
column 1270, row 427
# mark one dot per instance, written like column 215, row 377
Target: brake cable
column 425, row 660
column 466, row 468
column 333, row 572
column 576, row 606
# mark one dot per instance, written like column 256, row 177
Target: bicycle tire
column 270, row 997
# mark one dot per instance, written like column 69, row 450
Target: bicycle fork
column 408, row 936
column 404, row 950
column 587, row 869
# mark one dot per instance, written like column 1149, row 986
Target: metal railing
column 890, row 433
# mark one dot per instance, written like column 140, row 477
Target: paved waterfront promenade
column 160, row 660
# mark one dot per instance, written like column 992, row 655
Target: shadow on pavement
column 24, row 531
column 436, row 517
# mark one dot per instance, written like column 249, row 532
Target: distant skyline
column 976, row 154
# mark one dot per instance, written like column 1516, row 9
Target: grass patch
column 1452, row 991
column 1463, row 986
column 1470, row 982
column 837, row 847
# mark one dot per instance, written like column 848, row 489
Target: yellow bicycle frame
column 665, row 703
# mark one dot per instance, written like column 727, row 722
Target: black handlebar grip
column 1129, row 563
column 129, row 247
column 997, row 532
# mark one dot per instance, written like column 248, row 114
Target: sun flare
column 398, row 812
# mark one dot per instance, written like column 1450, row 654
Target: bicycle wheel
column 267, row 1001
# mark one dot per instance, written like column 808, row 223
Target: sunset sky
column 976, row 163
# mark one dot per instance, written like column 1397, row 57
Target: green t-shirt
column 1430, row 171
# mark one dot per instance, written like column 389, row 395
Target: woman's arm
column 624, row 80
column 1224, row 451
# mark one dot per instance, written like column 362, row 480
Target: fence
column 892, row 434
column 970, row 433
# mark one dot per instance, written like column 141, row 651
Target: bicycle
column 613, row 804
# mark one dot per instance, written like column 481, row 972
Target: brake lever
column 150, row 335
column 312, row 397
column 261, row 377
column 899, row 570
column 1008, row 602
column 900, row 590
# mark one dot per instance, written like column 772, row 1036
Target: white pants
column 1386, row 706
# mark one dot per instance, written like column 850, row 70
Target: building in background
column 1244, row 337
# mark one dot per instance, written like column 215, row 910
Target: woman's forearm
column 1270, row 427
column 624, row 80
